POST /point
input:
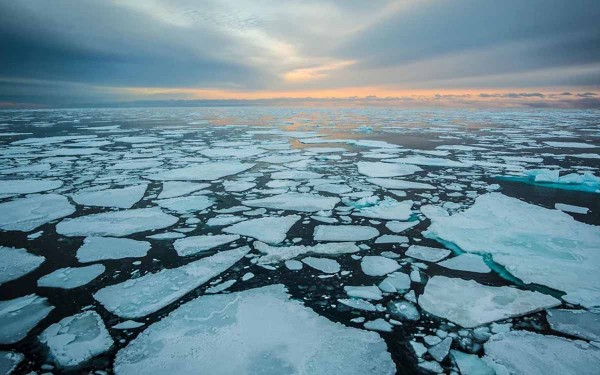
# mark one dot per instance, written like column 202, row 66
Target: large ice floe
column 16, row 263
column 26, row 214
column 18, row 316
column 257, row 331
column 470, row 304
column 339, row 233
column 551, row 178
column 274, row 254
column 387, row 209
column 201, row 172
column 271, row 230
column 71, row 277
column 523, row 352
column 197, row 244
column 531, row 242
column 117, row 223
column 76, row 339
column 295, row 202
column 103, row 248
column 27, row 186
column 379, row 169
column 142, row 296
column 120, row 198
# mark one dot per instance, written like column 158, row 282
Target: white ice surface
column 274, row 254
column 257, row 331
column 103, row 248
column 295, row 202
column 374, row 265
column 18, row 316
column 201, row 172
column 426, row 253
column 26, row 214
column 172, row 189
column 322, row 264
column 271, row 230
column 379, row 169
column 466, row 262
column 344, row 233
column 15, row 263
column 71, row 277
column 197, row 244
column 27, row 186
column 120, row 197
column 387, row 209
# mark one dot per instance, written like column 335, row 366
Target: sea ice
column 396, row 282
column 71, row 277
column 295, row 175
column 578, row 323
column 531, row 242
column 398, row 227
column 172, row 189
column 403, row 310
column 295, row 202
column 120, row 198
column 570, row 145
column 274, row 254
column 387, row 209
column 359, row 304
column 27, row 186
column 378, row 265
column 390, row 183
column 139, row 297
column 524, row 352
column 257, row 331
column 16, row 263
column 201, row 172
column 344, row 233
column 236, row 186
column 197, row 244
column 9, row 361
column 186, row 204
column 117, row 223
column 426, row 253
column 570, row 208
column 470, row 304
column 379, row 169
column 322, row 264
column 271, row 230
column 26, row 214
column 432, row 162
column 76, row 339
column 471, row 364
column 18, row 316
column 365, row 292
column 103, row 248
column 466, row 262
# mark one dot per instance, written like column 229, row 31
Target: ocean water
column 353, row 156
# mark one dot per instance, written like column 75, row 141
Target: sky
column 529, row 53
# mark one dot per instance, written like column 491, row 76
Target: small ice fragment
column 378, row 265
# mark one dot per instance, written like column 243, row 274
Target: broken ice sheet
column 295, row 202
column 120, row 197
column 26, row 214
column 470, row 304
column 344, row 233
column 265, row 330
column 71, row 277
column 16, row 263
column 197, row 244
column 142, row 296
column 103, row 248
column 76, row 339
column 18, row 316
column 274, row 254
column 271, row 230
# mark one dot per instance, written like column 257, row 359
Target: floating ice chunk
column 344, row 233
column 440, row 351
column 466, row 262
column 460, row 148
column 293, row 265
column 470, row 304
column 378, row 325
column 432, row 162
column 379, row 169
column 18, row 316
column 268, row 332
column 103, row 248
column 295, row 175
column 387, row 209
column 398, row 227
column 14, row 187
column 531, row 242
column 359, row 304
column 426, row 253
column 137, row 139
column 550, row 178
column 235, row 186
column 220, row 287
column 186, row 204
column 271, row 230
column 570, row 208
column 76, row 339
column 366, row 292
column 524, row 352
column 241, row 153
column 295, row 202
column 197, row 244
column 71, row 277
column 221, row 220
column 390, row 183
column 135, row 164
column 142, row 296
column 578, row 323
column 26, row 214
column 470, row 364
column 333, row 188
column 120, row 198
column 281, row 159
column 390, row 238
column 118, row 223
column 128, row 324
column 396, row 282
column 9, row 361
column 378, row 265
column 16, row 263
column 201, row 172
column 274, row 254
column 172, row 189
column 322, row 264
column 570, row 145
column 404, row 310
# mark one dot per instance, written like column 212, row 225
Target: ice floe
column 271, row 230
column 76, row 339
column 579, row 323
column 120, row 198
column 374, row 265
column 339, row 233
column 71, row 277
column 387, row 209
column 470, row 304
column 266, row 332
column 379, row 169
column 103, row 248
column 201, row 172
column 26, row 214
column 274, row 254
column 197, row 244
column 390, row 183
column 142, row 296
column 16, row 263
column 172, row 189
column 27, row 186
column 118, row 223
column 426, row 253
column 186, row 204
column 322, row 264
column 295, row 202
column 18, row 316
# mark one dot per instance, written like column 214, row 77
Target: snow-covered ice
column 103, row 248
column 16, row 263
column 18, row 316
column 426, row 253
column 186, row 204
column 27, row 186
column 172, row 189
column 466, row 262
column 71, row 277
column 139, row 297
column 387, row 209
column 379, row 169
column 271, row 230
column 322, row 264
column 76, row 339
column 374, row 265
column 26, row 214
column 295, row 202
column 254, row 331
column 120, row 198
column 201, row 172
column 344, row 233
column 274, row 254
column 470, row 304
column 197, row 244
